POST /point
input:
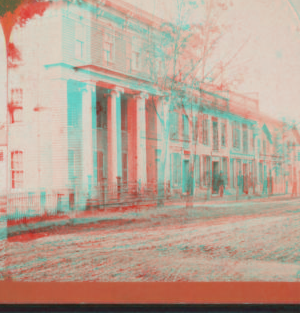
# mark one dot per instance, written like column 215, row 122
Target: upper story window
column 215, row 134
column 223, row 134
column 174, row 125
column 16, row 106
column 17, row 179
column 195, row 127
column 136, row 53
column 245, row 138
column 205, row 129
column 236, row 135
column 79, row 41
column 252, row 139
column 109, row 46
column 185, row 127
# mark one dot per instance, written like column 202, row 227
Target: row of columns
column 137, row 171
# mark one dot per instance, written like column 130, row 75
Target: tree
column 180, row 65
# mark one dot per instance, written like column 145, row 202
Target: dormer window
column 136, row 53
column 79, row 41
column 109, row 46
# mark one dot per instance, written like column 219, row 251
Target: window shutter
column 179, row 169
column 201, row 128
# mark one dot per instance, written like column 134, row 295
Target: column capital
column 88, row 88
column 142, row 95
column 117, row 91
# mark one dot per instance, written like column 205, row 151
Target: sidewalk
column 76, row 218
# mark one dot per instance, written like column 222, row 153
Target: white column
column 87, row 135
column 114, row 136
column 141, row 139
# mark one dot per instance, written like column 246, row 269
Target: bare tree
column 182, row 62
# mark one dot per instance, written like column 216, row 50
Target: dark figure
column 240, row 183
column 246, row 182
column 270, row 183
column 215, row 183
column 221, row 184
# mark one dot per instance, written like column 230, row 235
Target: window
column 16, row 107
column 71, row 164
column 136, row 53
column 79, row 41
column 206, row 170
column 176, row 169
column 252, row 140
column 223, row 134
column 215, row 135
column 174, row 125
column 197, row 170
column 100, row 163
column 205, row 130
column 101, row 110
column 195, row 127
column 245, row 138
column 185, row 127
column 109, row 47
column 124, row 167
column 78, row 49
column 17, row 170
column 236, row 135
column 260, row 172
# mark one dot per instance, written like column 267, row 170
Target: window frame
column 185, row 127
column 112, row 43
column 136, row 50
column 79, row 39
column 205, row 130
column 197, row 170
column 223, row 134
column 17, row 105
column 13, row 170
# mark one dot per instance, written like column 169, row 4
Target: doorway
column 215, row 169
column 245, row 175
column 185, row 176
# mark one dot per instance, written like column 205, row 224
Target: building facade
column 85, row 112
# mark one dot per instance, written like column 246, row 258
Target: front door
column 215, row 168
column 245, row 175
column 185, row 176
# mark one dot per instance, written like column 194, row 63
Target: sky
column 269, row 62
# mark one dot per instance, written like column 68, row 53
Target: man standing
column 221, row 184
column 240, row 184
